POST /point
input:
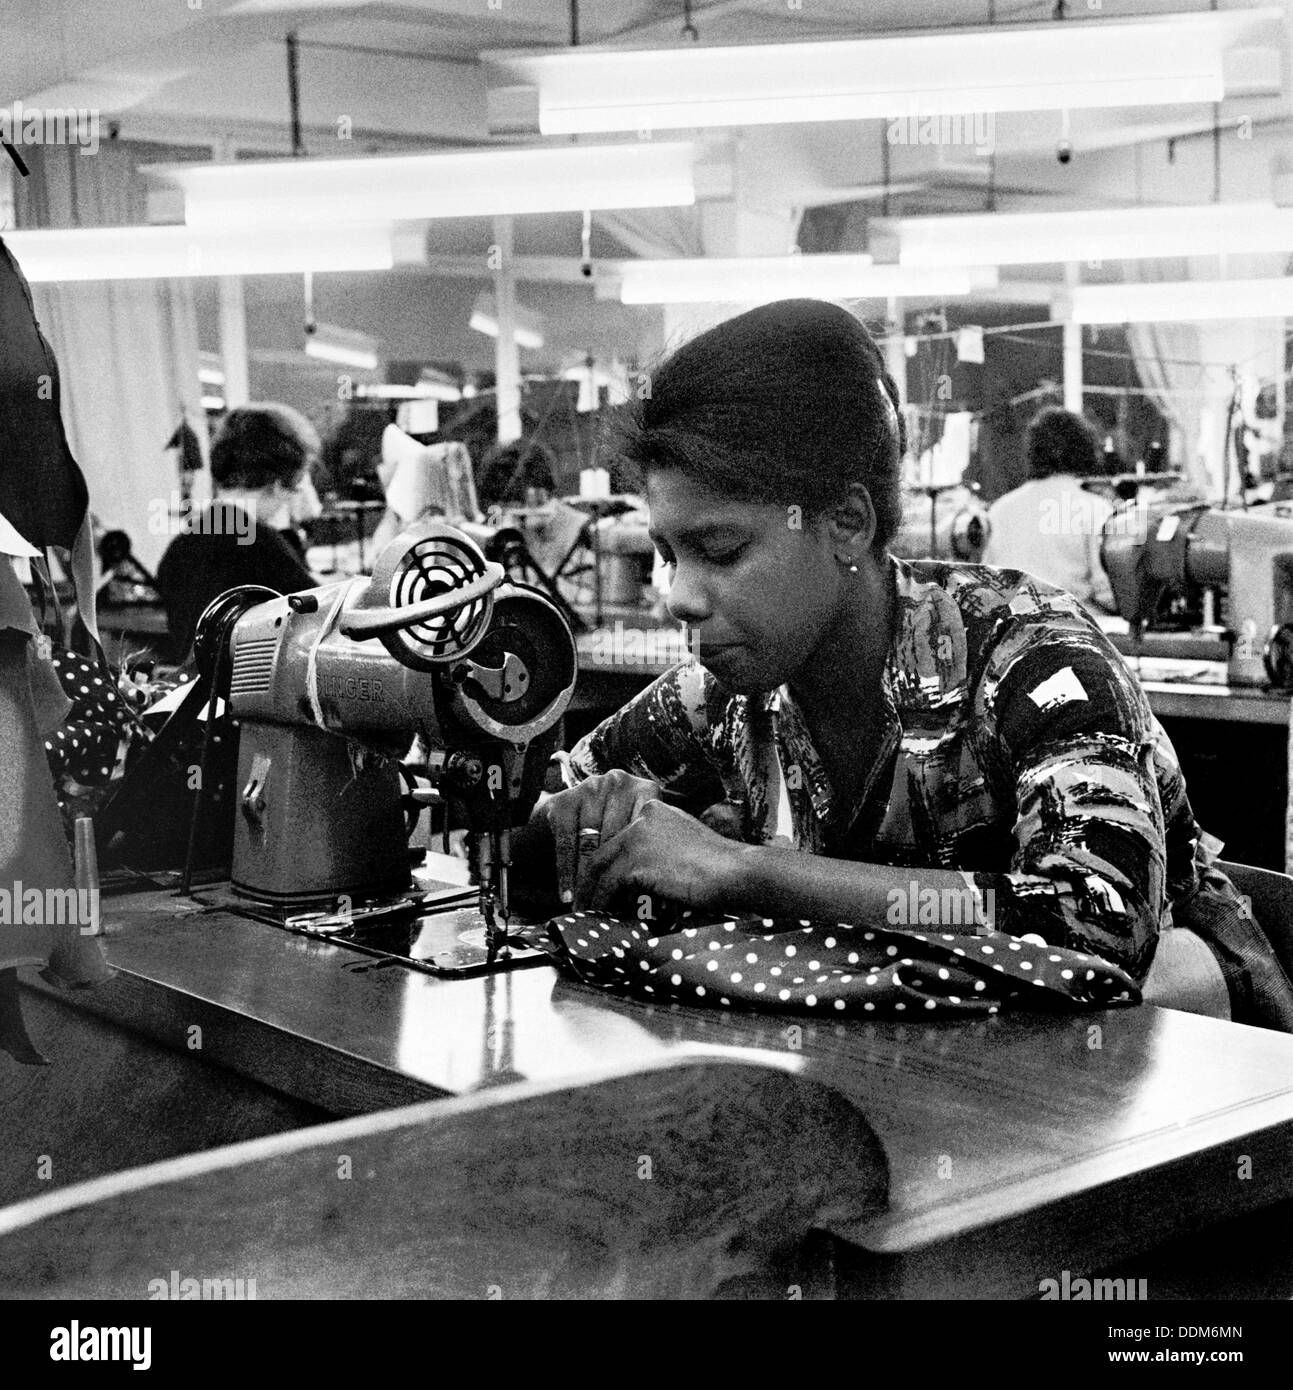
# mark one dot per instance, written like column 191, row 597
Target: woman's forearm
column 787, row 883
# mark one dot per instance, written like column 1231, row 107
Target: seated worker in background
column 258, row 462
column 1050, row 527
column 855, row 724
column 519, row 474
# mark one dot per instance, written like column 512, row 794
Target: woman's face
column 759, row 584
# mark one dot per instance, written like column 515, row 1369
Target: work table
column 1017, row 1145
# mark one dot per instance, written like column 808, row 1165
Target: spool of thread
column 85, row 859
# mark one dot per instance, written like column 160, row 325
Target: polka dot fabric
column 85, row 748
column 838, row 971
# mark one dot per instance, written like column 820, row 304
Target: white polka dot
column 751, row 959
column 891, row 950
column 790, row 950
column 852, row 957
column 1025, row 965
column 767, row 922
column 644, row 964
column 814, row 965
column 1066, row 974
column 714, row 946
column 953, row 999
column 785, row 994
column 943, row 975
column 711, row 965
column 873, row 979
column 675, row 979
column 839, row 1003
column 987, row 950
column 810, row 1000
column 900, row 1006
column 760, row 987
column 868, row 1006
column 676, row 954
column 829, row 942
column 979, row 985
column 929, row 1004
column 1014, row 946
column 736, row 977
column 700, row 989
column 776, row 970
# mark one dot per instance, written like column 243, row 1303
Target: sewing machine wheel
column 428, row 561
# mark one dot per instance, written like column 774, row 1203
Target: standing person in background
column 1051, row 526
column 258, row 463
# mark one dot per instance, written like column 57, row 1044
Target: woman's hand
column 667, row 855
column 606, row 803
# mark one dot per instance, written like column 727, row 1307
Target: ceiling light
column 762, row 279
column 1182, row 301
column 164, row 253
column 319, row 193
column 344, row 346
column 1098, row 234
column 527, row 328
column 1164, row 59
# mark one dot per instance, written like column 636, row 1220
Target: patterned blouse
column 1017, row 748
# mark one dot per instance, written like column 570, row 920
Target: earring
column 849, row 564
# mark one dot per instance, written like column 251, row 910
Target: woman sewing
column 858, row 735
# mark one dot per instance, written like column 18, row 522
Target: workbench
column 1018, row 1146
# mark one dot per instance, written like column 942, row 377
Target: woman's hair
column 262, row 444
column 789, row 403
column 1058, row 441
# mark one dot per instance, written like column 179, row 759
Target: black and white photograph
column 646, row 654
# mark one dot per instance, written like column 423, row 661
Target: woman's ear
column 852, row 523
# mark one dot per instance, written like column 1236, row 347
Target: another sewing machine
column 944, row 521
column 1198, row 583
column 330, row 688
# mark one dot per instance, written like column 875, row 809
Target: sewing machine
column 331, row 686
column 1198, row 583
column 942, row 521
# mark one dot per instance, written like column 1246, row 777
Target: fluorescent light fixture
column 761, row 279
column 165, row 253
column 344, row 346
column 1164, row 59
column 320, row 193
column 1098, row 234
column 1182, row 301
column 419, row 391
column 528, row 329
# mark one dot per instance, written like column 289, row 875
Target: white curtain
column 127, row 349
column 1188, row 368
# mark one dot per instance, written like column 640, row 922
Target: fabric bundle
column 840, row 970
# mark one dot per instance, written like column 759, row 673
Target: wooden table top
column 1105, row 1132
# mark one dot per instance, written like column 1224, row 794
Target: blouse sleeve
column 667, row 733
column 1072, row 736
